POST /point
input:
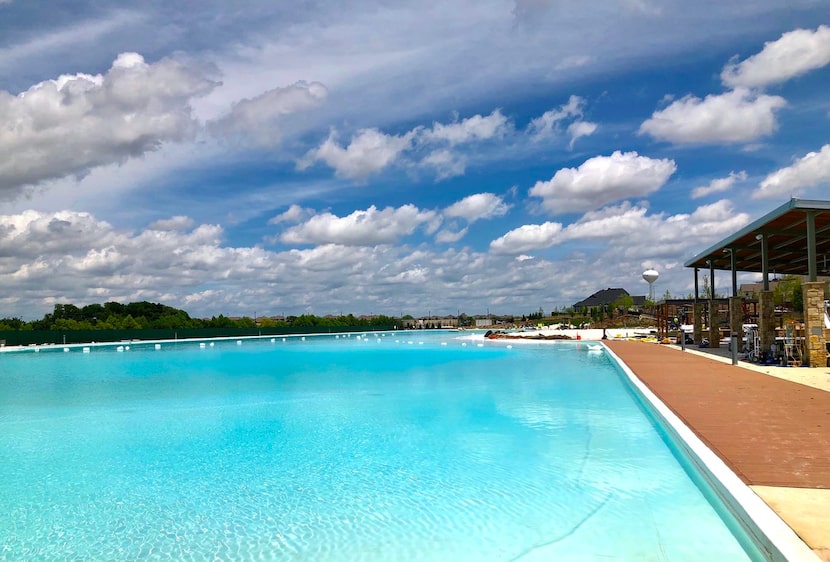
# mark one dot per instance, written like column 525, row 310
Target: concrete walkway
column 773, row 433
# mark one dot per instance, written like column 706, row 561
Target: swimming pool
column 406, row 446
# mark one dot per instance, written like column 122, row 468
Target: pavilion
column 792, row 239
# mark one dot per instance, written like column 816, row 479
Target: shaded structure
column 671, row 314
column 792, row 239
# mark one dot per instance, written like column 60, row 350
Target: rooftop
column 787, row 230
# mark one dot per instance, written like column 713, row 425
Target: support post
column 697, row 312
column 736, row 321
column 697, row 288
column 764, row 264
column 714, row 325
column 766, row 320
column 714, row 320
column 811, row 246
column 815, row 345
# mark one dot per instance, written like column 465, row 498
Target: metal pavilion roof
column 786, row 231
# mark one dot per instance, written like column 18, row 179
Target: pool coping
column 769, row 531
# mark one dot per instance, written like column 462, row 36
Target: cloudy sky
column 419, row 157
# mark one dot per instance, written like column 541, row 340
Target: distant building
column 608, row 297
column 752, row 290
column 430, row 322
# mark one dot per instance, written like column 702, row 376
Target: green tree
column 624, row 303
column 93, row 312
column 788, row 291
column 129, row 323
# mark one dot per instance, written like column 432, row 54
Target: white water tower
column 650, row 276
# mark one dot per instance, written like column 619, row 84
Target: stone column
column 697, row 319
column 714, row 324
column 766, row 319
column 736, row 319
column 815, row 343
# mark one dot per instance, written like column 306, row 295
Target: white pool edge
column 768, row 530
column 183, row 341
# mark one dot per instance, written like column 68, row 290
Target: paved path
column 770, row 431
column 773, row 433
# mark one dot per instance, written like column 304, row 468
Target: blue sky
column 406, row 157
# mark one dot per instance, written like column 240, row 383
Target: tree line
column 147, row 315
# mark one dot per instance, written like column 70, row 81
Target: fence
column 38, row 337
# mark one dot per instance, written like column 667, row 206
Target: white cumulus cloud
column 738, row 116
column 719, row 185
column 446, row 163
column 69, row 256
column 793, row 54
column 629, row 235
column 77, row 122
column 548, row 123
column 601, row 180
column 473, row 128
column 449, row 236
column 368, row 152
column 179, row 222
column 478, row 206
column 257, row 117
column 295, row 213
column 361, row 228
column 526, row 238
column 580, row 129
column 812, row 170
column 610, row 222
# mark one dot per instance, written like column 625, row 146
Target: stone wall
column 697, row 312
column 766, row 319
column 815, row 350
column 714, row 325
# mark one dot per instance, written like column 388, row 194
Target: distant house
column 752, row 290
column 430, row 322
column 608, row 297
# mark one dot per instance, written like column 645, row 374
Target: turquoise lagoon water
column 395, row 447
